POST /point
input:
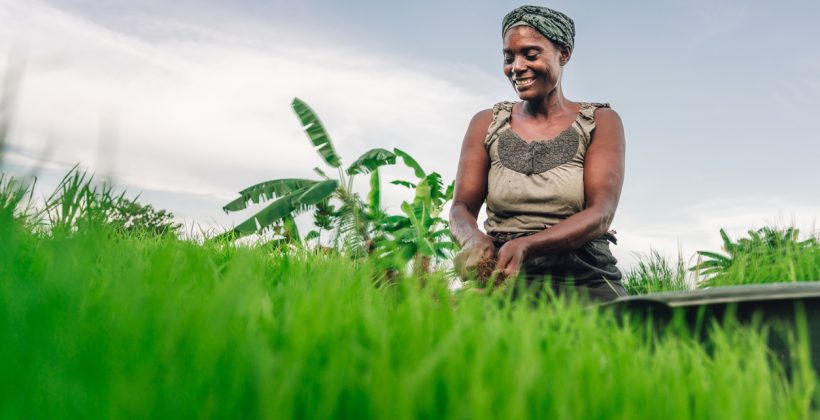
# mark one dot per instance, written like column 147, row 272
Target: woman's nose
column 519, row 65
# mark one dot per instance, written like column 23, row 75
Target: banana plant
column 350, row 219
column 419, row 234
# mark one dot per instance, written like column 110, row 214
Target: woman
column 550, row 170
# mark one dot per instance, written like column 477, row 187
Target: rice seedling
column 98, row 323
column 655, row 273
column 767, row 255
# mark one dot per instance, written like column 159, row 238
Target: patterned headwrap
column 554, row 25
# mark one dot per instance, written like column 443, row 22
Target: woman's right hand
column 477, row 248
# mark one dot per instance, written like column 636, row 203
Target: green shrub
column 767, row 255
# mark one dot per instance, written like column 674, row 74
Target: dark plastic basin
column 776, row 304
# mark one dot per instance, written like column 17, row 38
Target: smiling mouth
column 523, row 82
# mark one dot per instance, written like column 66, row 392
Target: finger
column 515, row 263
column 489, row 252
column 458, row 261
column 473, row 259
column 503, row 260
column 512, row 267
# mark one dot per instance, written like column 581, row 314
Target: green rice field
column 98, row 323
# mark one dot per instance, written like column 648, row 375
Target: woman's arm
column 603, row 179
column 469, row 195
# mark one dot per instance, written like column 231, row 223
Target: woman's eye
column 508, row 59
column 532, row 57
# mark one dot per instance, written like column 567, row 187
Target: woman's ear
column 566, row 53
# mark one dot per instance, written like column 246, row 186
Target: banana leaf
column 321, row 173
column 448, row 195
column 402, row 183
column 316, row 132
column 371, row 160
column 316, row 193
column 410, row 162
column 374, row 196
column 422, row 243
column 279, row 209
column 440, row 233
column 424, row 193
column 265, row 191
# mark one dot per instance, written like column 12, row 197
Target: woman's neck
column 553, row 104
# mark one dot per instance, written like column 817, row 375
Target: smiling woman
column 549, row 169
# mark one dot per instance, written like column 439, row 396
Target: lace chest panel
column 537, row 156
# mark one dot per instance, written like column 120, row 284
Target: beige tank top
column 532, row 186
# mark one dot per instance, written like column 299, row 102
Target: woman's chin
column 526, row 95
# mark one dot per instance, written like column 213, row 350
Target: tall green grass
column 654, row 272
column 767, row 255
column 98, row 324
column 97, row 321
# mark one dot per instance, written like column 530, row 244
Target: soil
column 487, row 272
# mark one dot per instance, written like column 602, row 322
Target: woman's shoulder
column 488, row 121
column 482, row 119
column 496, row 108
column 590, row 108
column 598, row 112
column 605, row 115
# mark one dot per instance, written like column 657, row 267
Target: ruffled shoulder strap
column 586, row 117
column 501, row 118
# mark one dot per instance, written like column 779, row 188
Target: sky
column 188, row 103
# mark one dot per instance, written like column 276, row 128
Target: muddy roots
column 487, row 274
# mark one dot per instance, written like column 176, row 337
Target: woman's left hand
column 511, row 256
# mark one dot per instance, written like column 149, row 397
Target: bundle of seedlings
column 487, row 273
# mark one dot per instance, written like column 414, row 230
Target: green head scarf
column 554, row 25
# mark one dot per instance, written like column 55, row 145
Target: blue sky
column 718, row 98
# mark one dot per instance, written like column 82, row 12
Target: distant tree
column 131, row 216
column 79, row 202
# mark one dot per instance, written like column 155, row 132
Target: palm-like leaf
column 715, row 256
column 728, row 245
column 448, row 195
column 406, row 184
column 277, row 210
column 316, row 132
column 288, row 205
column 265, row 191
column 323, row 215
column 349, row 231
column 316, row 193
column 371, row 160
column 410, row 162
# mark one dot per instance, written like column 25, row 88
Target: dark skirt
column 588, row 272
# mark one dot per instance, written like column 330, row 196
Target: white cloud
column 206, row 112
column 196, row 114
column 696, row 227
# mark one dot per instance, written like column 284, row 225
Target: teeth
column 523, row 82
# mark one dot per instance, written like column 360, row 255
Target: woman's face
column 532, row 63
